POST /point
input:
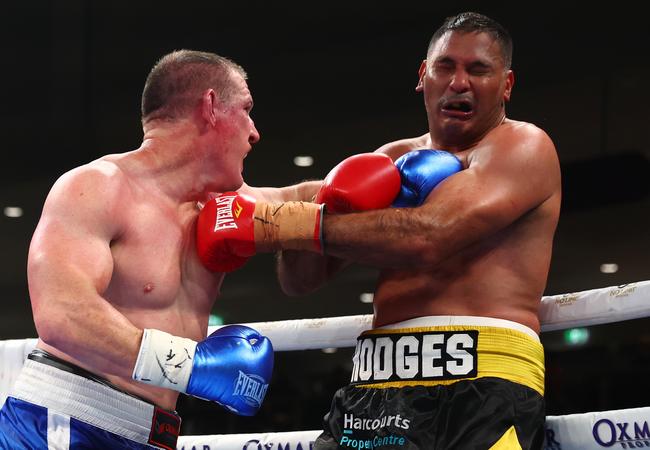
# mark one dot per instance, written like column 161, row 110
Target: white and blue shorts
column 55, row 405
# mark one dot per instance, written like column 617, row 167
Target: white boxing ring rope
column 627, row 428
column 557, row 312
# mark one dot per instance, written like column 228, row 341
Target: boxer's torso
column 502, row 276
column 157, row 279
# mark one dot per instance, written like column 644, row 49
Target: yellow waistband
column 500, row 352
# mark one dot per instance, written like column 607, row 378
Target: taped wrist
column 288, row 226
column 164, row 360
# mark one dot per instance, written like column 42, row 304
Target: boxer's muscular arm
column 69, row 267
column 302, row 272
column 515, row 171
column 304, row 191
column 298, row 272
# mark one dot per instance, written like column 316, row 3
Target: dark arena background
column 330, row 80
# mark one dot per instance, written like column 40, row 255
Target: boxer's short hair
column 177, row 81
column 469, row 22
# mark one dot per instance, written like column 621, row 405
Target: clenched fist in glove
column 232, row 366
column 235, row 226
column 359, row 183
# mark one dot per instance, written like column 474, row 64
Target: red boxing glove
column 233, row 227
column 223, row 243
column 359, row 183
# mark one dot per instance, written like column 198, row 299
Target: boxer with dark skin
column 493, row 221
column 480, row 244
column 454, row 359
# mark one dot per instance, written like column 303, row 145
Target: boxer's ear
column 210, row 106
column 510, row 82
column 421, row 71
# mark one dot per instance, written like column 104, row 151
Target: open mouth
column 460, row 108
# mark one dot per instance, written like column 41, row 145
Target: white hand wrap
column 164, row 360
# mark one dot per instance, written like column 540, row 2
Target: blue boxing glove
column 421, row 171
column 232, row 366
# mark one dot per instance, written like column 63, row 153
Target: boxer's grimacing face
column 465, row 84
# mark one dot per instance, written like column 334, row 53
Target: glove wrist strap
column 288, row 226
column 164, row 360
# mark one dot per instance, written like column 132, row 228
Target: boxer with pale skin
column 120, row 298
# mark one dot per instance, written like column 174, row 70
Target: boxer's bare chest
column 155, row 261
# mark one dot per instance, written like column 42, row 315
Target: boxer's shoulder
column 99, row 190
column 99, row 173
column 397, row 148
column 517, row 132
column 514, row 142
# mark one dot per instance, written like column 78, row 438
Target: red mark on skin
column 148, row 288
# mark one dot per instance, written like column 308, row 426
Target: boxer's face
column 237, row 133
column 465, row 85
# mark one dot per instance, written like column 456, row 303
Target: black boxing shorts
column 441, row 383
